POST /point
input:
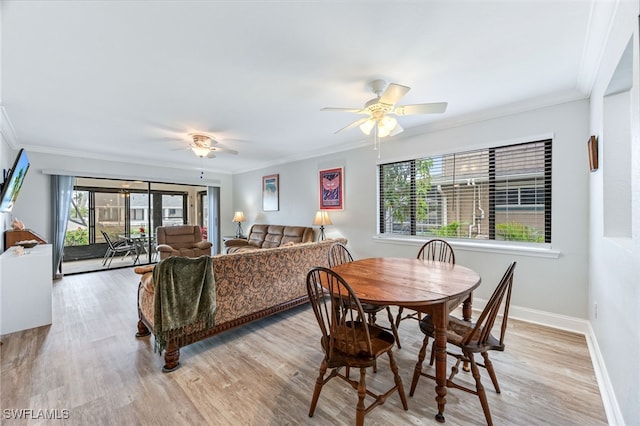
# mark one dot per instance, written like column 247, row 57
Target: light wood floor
column 89, row 362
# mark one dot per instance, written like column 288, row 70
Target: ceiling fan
column 204, row 145
column 380, row 111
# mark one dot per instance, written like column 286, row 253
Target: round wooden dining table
column 423, row 285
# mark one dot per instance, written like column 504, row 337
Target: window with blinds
column 501, row 193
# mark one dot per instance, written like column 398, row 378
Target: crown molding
column 7, row 130
column 601, row 17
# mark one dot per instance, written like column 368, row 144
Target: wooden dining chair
column 472, row 338
column 339, row 254
column 435, row 249
column 347, row 341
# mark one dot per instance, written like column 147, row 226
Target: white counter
column 25, row 288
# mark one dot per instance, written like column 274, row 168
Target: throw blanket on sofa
column 185, row 296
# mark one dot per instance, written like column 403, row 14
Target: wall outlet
column 595, row 310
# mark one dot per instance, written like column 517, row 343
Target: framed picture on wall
column 332, row 189
column 592, row 147
column 270, row 196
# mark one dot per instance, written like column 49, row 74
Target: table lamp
column 239, row 217
column 322, row 218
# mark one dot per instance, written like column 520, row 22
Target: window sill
column 500, row 247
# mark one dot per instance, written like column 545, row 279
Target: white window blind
column 501, row 193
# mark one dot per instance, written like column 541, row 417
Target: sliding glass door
column 126, row 211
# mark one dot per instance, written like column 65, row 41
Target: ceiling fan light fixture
column 382, row 132
column 387, row 124
column 367, row 126
column 201, row 139
column 200, row 151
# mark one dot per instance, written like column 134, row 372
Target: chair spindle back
column 438, row 250
column 489, row 314
column 108, row 240
column 338, row 312
column 339, row 254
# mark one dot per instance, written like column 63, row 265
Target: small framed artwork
column 592, row 147
column 332, row 189
column 270, row 196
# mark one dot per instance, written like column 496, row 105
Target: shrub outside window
column 501, row 193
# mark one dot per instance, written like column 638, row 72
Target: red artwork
column 331, row 189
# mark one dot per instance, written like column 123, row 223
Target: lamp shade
column 322, row 218
column 238, row 217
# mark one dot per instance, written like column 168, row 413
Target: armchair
column 183, row 241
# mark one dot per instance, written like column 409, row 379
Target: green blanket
column 184, row 299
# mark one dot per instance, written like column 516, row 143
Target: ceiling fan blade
column 432, row 108
column 393, row 93
column 223, row 149
column 356, row 110
column 354, row 124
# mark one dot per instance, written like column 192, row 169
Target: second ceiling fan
column 205, row 145
column 380, row 111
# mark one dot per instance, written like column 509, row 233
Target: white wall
column 553, row 285
column 614, row 263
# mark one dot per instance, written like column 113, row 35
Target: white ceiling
column 129, row 79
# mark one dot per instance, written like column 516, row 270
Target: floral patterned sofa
column 248, row 285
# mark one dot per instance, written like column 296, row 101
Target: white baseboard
column 580, row 326
column 614, row 415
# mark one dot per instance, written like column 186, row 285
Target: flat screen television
column 13, row 181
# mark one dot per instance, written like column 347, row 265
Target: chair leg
column 489, row 365
column 475, row 371
column 394, row 329
column 111, row 259
column 361, row 410
column 399, row 317
column 397, row 380
column 106, row 256
column 318, row 387
column 417, row 371
column 137, row 252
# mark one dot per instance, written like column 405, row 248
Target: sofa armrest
column 165, row 248
column 236, row 242
column 203, row 245
column 141, row 270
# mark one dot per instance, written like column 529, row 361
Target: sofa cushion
column 189, row 252
column 179, row 237
column 295, row 234
column 257, row 235
column 273, row 237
